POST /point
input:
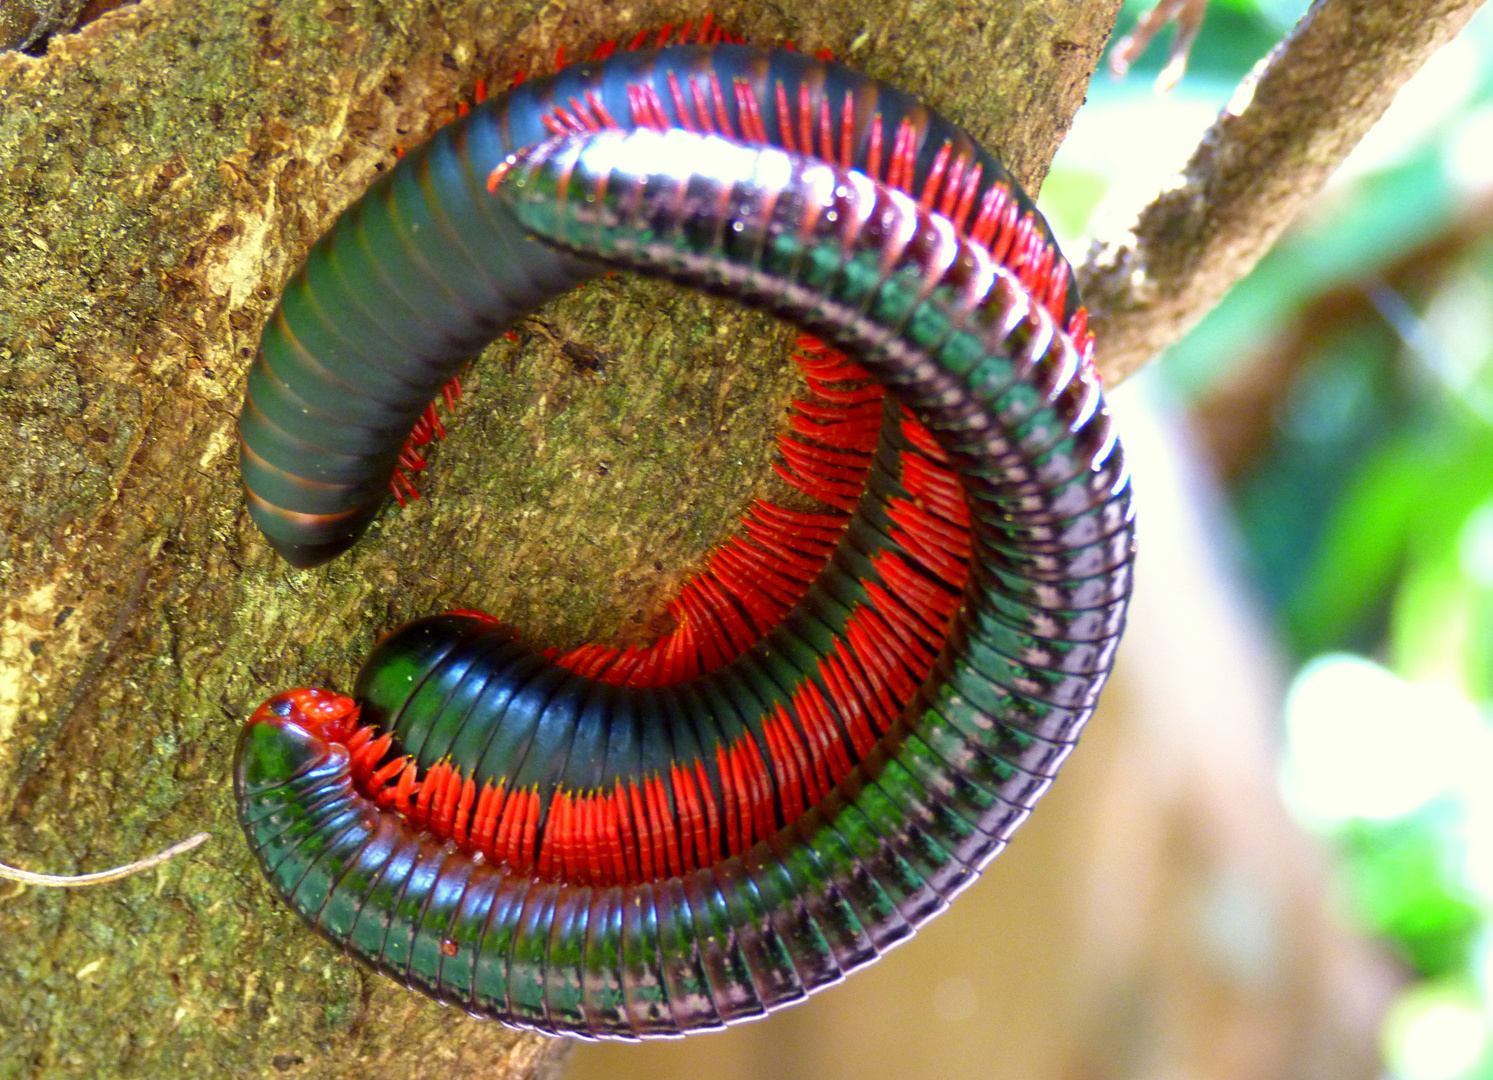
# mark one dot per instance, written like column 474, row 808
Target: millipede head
column 325, row 713
column 290, row 734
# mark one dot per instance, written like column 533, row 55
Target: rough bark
column 1289, row 126
column 161, row 172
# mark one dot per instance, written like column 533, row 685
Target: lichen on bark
column 161, row 172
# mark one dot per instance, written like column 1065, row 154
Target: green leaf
column 1400, row 886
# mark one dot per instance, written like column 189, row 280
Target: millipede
column 854, row 709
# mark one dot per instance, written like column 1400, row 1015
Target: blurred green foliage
column 1405, row 886
column 1366, row 505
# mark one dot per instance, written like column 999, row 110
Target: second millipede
column 587, row 848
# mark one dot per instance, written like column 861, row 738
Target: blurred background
column 1272, row 856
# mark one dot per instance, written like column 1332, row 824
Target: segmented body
column 426, row 269
column 528, row 842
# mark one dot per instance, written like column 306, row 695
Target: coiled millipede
column 615, row 845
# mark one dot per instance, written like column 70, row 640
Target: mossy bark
column 161, row 172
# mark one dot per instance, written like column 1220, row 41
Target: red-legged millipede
column 648, row 843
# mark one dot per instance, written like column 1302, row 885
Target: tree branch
column 1289, row 126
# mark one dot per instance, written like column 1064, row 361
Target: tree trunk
column 164, row 169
